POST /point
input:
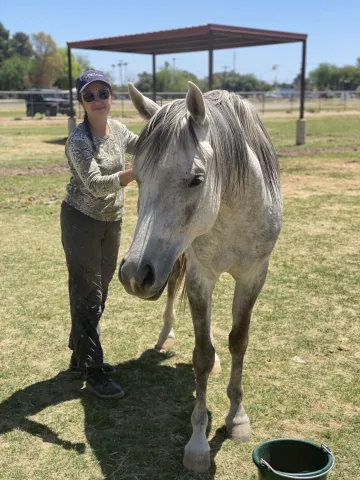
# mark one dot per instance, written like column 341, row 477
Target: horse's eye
column 196, row 180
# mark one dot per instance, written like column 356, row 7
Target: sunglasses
column 102, row 94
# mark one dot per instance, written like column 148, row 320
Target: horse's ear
column 195, row 103
column 145, row 106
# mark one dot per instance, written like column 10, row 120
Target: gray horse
column 209, row 189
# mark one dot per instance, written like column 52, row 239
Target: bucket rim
column 330, row 463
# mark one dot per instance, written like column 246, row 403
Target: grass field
column 302, row 366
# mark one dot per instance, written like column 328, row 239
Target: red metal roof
column 193, row 39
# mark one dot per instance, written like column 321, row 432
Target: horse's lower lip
column 159, row 292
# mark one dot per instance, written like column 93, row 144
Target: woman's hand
column 126, row 176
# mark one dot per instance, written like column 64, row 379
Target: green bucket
column 292, row 459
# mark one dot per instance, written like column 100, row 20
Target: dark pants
column 91, row 249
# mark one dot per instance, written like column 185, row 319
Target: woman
column 91, row 217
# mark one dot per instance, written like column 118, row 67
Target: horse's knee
column 204, row 357
column 238, row 342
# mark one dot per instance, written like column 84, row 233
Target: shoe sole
column 115, row 395
column 83, row 370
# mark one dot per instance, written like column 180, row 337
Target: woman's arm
column 130, row 140
column 80, row 154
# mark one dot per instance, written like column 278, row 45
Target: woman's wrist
column 126, row 176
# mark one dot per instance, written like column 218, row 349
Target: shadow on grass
column 142, row 435
column 57, row 141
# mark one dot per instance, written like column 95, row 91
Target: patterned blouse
column 94, row 186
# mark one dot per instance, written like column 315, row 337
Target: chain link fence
column 53, row 102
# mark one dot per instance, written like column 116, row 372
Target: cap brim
column 92, row 81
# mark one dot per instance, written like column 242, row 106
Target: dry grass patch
column 50, row 428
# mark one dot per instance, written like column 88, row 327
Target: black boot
column 74, row 366
column 101, row 385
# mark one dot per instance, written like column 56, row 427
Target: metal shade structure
column 194, row 39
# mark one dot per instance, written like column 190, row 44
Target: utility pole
column 173, row 71
column 276, row 68
column 113, row 66
column 125, row 65
column 122, row 64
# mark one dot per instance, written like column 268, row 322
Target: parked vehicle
column 47, row 101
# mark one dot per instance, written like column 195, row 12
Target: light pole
column 113, row 66
column 120, row 65
column 124, row 65
column 225, row 67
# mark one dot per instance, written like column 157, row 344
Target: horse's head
column 179, row 197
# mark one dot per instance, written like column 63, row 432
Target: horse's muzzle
column 140, row 280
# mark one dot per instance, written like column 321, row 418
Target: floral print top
column 94, row 186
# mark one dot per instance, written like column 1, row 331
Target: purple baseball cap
column 91, row 76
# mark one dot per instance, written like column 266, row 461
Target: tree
column 144, row 82
column 62, row 78
column 4, row 43
column 14, row 73
column 234, row 82
column 349, row 77
column 168, row 79
column 325, row 76
column 47, row 60
column 84, row 62
column 297, row 81
column 20, row 44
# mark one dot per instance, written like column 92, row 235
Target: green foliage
column 145, row 82
column 14, row 73
column 168, row 79
column 234, row 82
column 84, row 62
column 20, row 44
column 328, row 76
column 4, row 43
column 47, row 60
column 62, row 78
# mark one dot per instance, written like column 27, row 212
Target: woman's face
column 99, row 106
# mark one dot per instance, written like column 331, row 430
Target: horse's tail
column 181, row 280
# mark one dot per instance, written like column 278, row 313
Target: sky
column 332, row 26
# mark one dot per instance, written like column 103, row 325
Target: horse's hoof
column 197, row 462
column 168, row 343
column 239, row 433
column 216, row 368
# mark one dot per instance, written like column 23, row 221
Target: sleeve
column 80, row 155
column 129, row 138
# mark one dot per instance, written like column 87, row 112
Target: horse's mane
column 233, row 124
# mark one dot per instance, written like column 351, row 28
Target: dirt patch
column 35, row 171
column 11, row 122
column 305, row 186
column 318, row 151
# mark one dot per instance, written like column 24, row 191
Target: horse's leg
column 217, row 365
column 247, row 289
column 199, row 291
column 167, row 336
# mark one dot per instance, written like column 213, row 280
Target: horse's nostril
column 149, row 276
